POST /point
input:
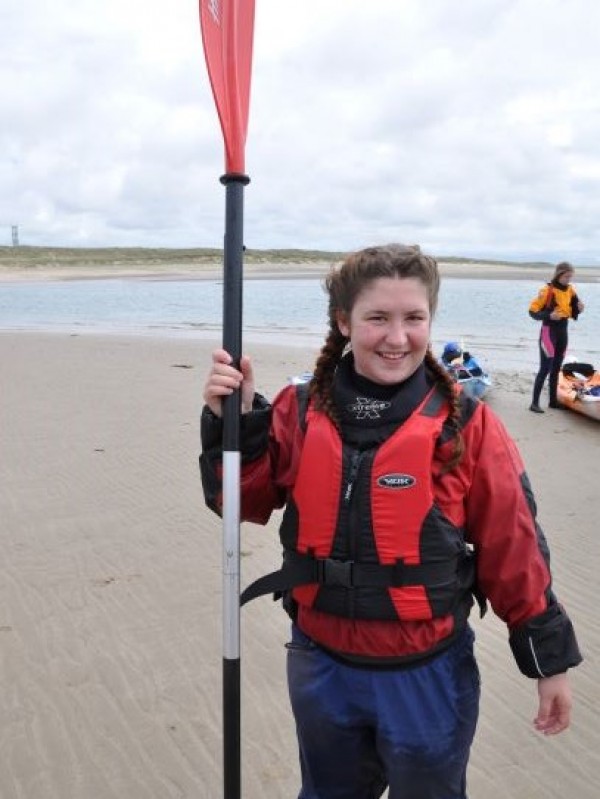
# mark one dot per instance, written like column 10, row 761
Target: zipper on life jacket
column 348, row 520
column 352, row 458
column 352, row 473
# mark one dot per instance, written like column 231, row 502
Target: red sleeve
column 512, row 554
column 267, row 480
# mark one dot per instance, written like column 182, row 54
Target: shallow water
column 489, row 317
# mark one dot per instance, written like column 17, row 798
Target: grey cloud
column 470, row 126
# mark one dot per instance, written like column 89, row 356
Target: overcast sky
column 471, row 127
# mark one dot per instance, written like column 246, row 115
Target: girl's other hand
column 555, row 703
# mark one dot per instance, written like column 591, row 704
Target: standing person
column 555, row 304
column 403, row 499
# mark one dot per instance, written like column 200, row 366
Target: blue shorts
column 361, row 730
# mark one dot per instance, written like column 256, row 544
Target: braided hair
column 343, row 285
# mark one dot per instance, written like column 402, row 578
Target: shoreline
column 268, row 271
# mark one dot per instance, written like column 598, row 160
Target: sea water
column 488, row 317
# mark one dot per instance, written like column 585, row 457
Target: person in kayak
column 555, row 304
column 404, row 500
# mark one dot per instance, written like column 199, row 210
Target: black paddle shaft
column 232, row 342
column 233, row 255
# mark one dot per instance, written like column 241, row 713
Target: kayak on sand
column 579, row 389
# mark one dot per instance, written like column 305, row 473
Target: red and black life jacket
column 362, row 534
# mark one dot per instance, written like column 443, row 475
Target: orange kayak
column 579, row 389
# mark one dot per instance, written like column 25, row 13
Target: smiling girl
column 404, row 500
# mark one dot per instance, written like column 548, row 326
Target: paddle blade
column 227, row 33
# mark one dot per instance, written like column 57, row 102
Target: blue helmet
column 451, row 351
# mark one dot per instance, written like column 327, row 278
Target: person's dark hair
column 343, row 285
column 562, row 269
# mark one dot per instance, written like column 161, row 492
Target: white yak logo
column 396, row 481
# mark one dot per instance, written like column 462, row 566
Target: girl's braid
column 321, row 384
column 447, row 387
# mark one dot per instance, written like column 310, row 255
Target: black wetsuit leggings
column 551, row 365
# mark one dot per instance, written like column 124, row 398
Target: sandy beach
column 110, row 598
column 16, row 272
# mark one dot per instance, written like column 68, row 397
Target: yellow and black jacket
column 551, row 297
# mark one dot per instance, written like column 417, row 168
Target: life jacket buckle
column 335, row 572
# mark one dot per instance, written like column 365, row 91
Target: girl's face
column 389, row 328
column 565, row 278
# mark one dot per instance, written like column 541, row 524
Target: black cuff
column 254, row 429
column 546, row 644
column 211, row 429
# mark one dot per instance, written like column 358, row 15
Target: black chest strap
column 298, row 569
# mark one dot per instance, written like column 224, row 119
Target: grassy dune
column 15, row 257
column 23, row 257
column 63, row 263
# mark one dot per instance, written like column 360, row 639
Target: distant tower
column 15, row 235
